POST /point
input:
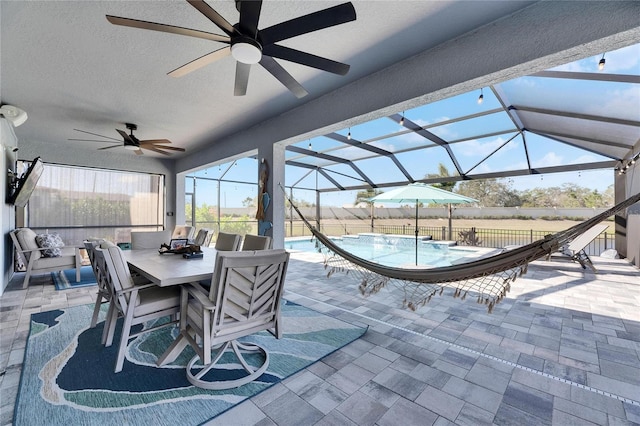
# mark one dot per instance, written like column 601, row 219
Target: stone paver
column 549, row 354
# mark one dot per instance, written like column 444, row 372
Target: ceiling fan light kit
column 246, row 50
column 249, row 46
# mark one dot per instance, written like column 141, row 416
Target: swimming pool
column 397, row 251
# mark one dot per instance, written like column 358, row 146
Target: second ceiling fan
column 130, row 142
column 248, row 45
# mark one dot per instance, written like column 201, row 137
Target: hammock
column 489, row 279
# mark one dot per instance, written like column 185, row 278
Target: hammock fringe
column 489, row 278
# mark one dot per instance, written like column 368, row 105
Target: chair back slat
column 98, row 265
column 249, row 291
column 117, row 272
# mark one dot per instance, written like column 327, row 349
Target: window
column 81, row 202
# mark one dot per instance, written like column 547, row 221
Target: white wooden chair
column 244, row 298
column 183, row 232
column 149, row 239
column 136, row 303
column 256, row 242
column 104, row 294
column 203, row 238
column 228, row 242
column 24, row 240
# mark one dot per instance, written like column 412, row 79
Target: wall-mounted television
column 25, row 184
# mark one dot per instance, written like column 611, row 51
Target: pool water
column 431, row 254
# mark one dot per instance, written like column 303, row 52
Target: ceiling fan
column 248, row 45
column 132, row 143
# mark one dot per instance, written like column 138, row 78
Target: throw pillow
column 52, row 243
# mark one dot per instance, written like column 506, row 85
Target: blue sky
column 572, row 95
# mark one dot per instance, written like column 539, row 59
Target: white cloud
column 550, row 159
column 474, row 148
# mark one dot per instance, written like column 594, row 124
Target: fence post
column 444, row 233
column 530, row 236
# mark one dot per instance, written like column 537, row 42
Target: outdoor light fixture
column 349, row 134
column 624, row 166
column 14, row 114
column 601, row 63
column 310, row 147
column 481, row 97
column 402, row 119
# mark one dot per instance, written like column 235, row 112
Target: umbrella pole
column 450, row 222
column 416, row 232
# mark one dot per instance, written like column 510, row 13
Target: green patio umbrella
column 422, row 193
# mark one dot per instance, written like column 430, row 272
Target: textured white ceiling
column 71, row 69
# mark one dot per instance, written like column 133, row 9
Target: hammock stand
column 489, row 279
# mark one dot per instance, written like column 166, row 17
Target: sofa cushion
column 52, row 243
column 27, row 240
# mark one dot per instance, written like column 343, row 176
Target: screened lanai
column 571, row 118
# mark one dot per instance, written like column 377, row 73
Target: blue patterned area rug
column 67, row 376
column 65, row 280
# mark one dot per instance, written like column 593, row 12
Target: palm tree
column 364, row 196
column 442, row 172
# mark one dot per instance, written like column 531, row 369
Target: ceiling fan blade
column 138, row 152
column 152, row 141
column 249, row 16
column 154, row 149
column 213, row 16
column 171, row 148
column 200, row 62
column 95, row 134
column 283, row 76
column 145, row 25
column 308, row 23
column 127, row 138
column 93, row 140
column 242, row 79
column 305, row 58
column 109, row 147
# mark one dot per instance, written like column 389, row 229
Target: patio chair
column 244, row 299
column 256, row 242
column 136, row 303
column 183, row 232
column 228, row 242
column 149, row 239
column 35, row 259
column 203, row 238
column 575, row 249
column 104, row 295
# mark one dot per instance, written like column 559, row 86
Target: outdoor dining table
column 171, row 269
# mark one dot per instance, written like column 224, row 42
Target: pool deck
column 561, row 349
